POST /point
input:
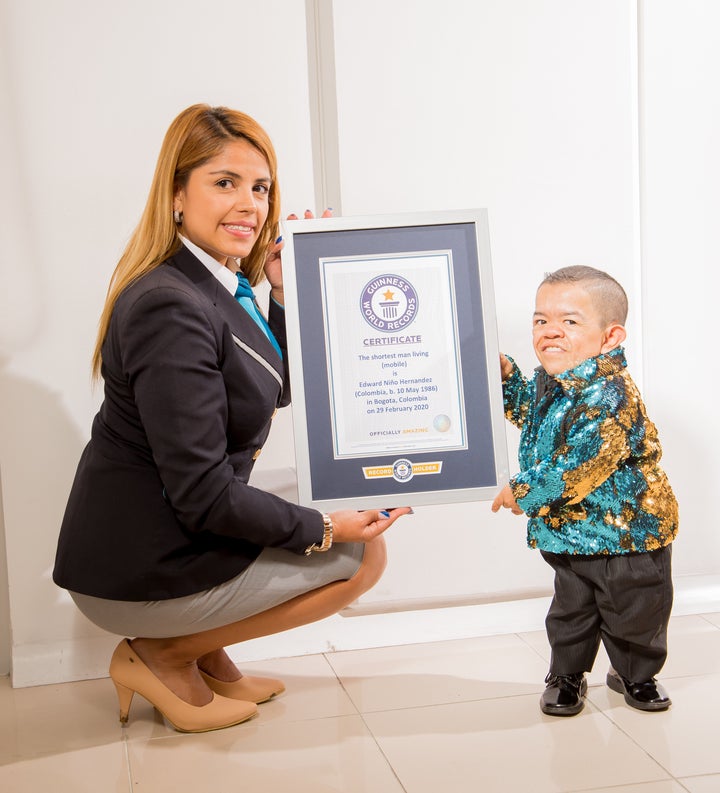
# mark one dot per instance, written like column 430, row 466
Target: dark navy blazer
column 160, row 506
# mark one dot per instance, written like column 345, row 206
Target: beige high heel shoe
column 130, row 674
column 254, row 689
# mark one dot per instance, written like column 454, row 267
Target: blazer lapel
column 246, row 334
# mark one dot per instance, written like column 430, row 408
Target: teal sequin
column 590, row 480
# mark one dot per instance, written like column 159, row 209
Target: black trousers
column 623, row 600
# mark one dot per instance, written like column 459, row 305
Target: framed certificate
column 394, row 363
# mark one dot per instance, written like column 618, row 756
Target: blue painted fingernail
column 384, row 513
column 279, row 239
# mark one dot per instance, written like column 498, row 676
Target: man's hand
column 506, row 499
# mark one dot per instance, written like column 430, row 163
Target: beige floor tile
column 101, row 769
column 702, row 784
column 663, row 786
column 55, row 719
column 335, row 755
column 539, row 642
column 427, row 674
column 682, row 739
column 507, row 746
column 714, row 618
column 455, row 716
column 312, row 692
column 693, row 647
column 311, row 689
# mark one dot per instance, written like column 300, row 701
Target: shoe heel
column 220, row 712
column 124, row 695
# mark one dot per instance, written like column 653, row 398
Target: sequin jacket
column 590, row 480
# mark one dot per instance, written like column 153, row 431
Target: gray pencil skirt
column 274, row 577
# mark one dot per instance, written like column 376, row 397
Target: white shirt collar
column 225, row 276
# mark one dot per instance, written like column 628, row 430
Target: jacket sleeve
column 594, row 443
column 276, row 321
column 171, row 354
column 518, row 395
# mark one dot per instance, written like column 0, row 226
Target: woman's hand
column 352, row 526
column 308, row 215
column 273, row 270
column 505, row 498
column 273, row 260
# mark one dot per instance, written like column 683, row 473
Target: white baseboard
column 367, row 625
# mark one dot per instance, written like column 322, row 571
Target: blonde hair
column 608, row 295
column 196, row 135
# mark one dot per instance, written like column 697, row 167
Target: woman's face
column 225, row 202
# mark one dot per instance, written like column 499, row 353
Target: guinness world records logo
column 389, row 303
column 402, row 470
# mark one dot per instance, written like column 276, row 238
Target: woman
column 163, row 538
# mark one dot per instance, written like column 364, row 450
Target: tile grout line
column 341, row 684
column 632, row 740
column 126, row 750
column 365, row 724
column 382, row 752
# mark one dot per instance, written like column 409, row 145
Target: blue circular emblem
column 389, row 303
column 402, row 470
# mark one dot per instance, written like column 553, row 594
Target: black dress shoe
column 648, row 695
column 564, row 694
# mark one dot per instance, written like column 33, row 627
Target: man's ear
column 615, row 335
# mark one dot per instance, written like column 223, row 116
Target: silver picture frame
column 394, row 361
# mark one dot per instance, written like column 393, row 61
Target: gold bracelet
column 327, row 539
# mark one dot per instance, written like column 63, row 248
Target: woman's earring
column 177, row 216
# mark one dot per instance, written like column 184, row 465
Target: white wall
column 680, row 127
column 527, row 107
column 476, row 106
column 88, row 90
